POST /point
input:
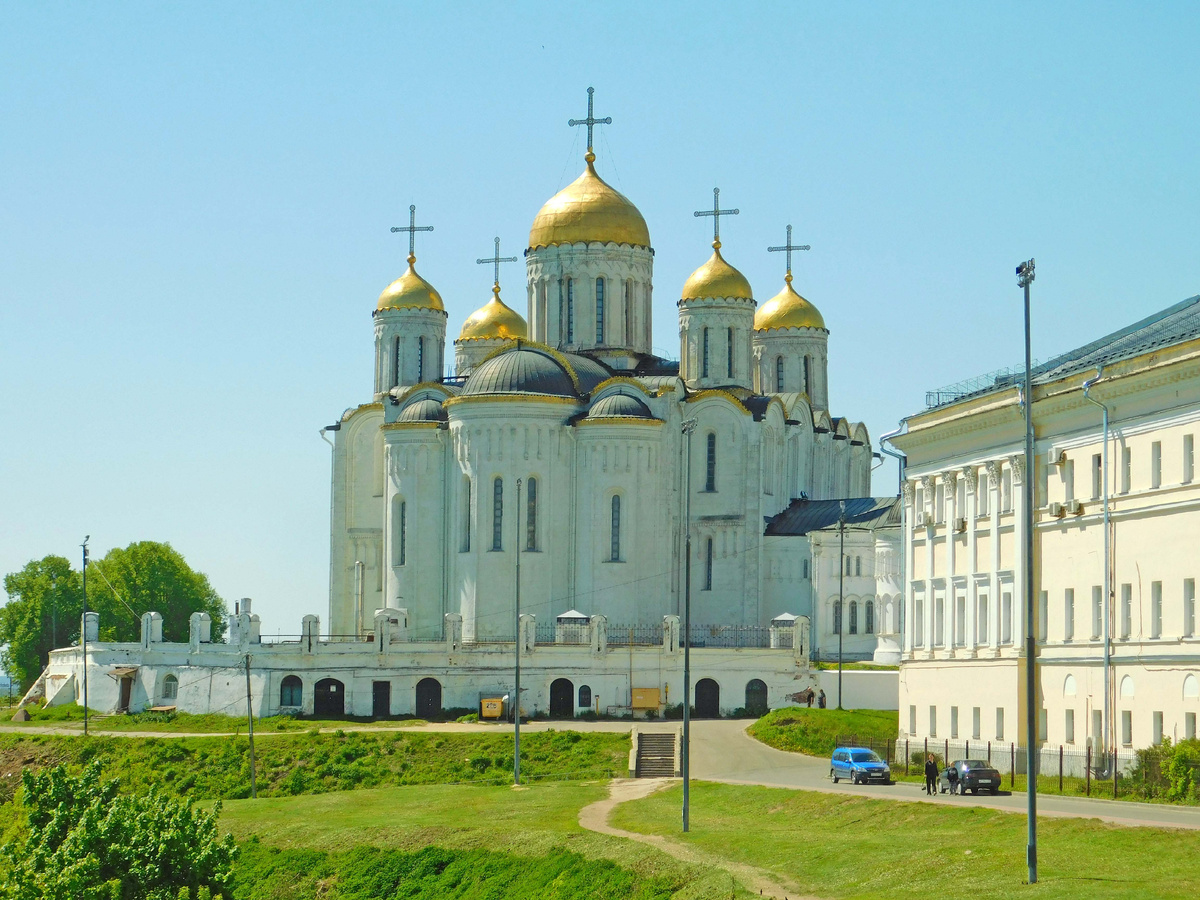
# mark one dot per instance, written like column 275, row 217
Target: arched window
column 498, row 514
column 849, row 565
column 291, row 691
column 807, row 386
column 396, row 364
column 170, row 689
column 400, row 530
column 600, row 311
column 710, row 473
column 531, row 516
column 729, row 355
column 570, row 311
column 704, row 354
column 615, row 554
column 585, row 697
column 708, row 559
column 466, row 516
column 837, row 616
column 869, row 615
column 420, row 359
column 779, row 374
column 854, row 617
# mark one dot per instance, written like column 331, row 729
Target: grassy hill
column 814, row 731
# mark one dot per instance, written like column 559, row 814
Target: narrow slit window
column 531, row 516
column 570, row 311
column 600, row 311
column 708, row 565
column 498, row 514
column 710, row 475
column 729, row 355
column 704, row 354
column 420, row 359
column 402, row 533
column 466, row 536
column 628, row 315
column 779, row 374
column 615, row 542
column 396, row 364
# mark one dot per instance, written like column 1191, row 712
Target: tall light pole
column 83, row 633
column 1024, row 279
column 689, row 425
column 841, row 616
column 517, row 655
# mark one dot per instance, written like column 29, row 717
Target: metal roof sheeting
column 805, row 516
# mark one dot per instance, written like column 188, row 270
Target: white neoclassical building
column 1118, row 655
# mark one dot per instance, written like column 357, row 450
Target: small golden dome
column 787, row 309
column 717, row 279
column 409, row 291
column 494, row 320
column 588, row 209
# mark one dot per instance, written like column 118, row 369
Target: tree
column 83, row 840
column 46, row 602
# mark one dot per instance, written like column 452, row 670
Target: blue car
column 858, row 765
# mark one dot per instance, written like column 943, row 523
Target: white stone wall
column 793, row 345
column 411, row 344
column 721, row 318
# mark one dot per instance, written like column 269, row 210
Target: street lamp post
column 689, row 426
column 517, row 655
column 841, row 616
column 1024, row 279
column 83, row 633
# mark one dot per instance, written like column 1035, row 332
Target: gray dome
column 521, row 370
column 620, row 406
column 589, row 372
column 427, row 410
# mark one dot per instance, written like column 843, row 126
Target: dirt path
column 594, row 817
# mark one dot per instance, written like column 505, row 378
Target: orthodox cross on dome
column 495, row 261
column 789, row 247
column 590, row 121
column 716, row 212
column 412, row 228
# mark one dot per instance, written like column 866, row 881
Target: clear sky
column 195, row 202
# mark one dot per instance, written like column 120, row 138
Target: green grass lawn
column 835, row 846
column 813, row 731
column 71, row 716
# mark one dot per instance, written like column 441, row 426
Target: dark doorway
column 126, row 689
column 562, row 698
column 756, row 697
column 708, row 699
column 329, row 698
column 381, row 699
column 429, row 698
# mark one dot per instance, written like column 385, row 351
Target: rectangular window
column 1068, row 477
column 981, row 494
column 1189, row 607
column 1069, row 727
column 710, row 463
column 1042, row 494
column 960, row 620
column 498, row 514
column 933, row 721
column 999, row 723
column 1156, row 464
column 954, row 722
column 1098, row 727
column 912, row 720
column 615, row 535
column 396, row 364
column 600, row 311
column 1043, row 726
column 1189, row 458
column 1097, row 612
column 940, row 502
column 403, row 524
column 1156, row 609
column 570, row 311
column 1069, row 614
column 466, row 536
column 960, row 498
column 704, row 353
column 1157, row 720
column 708, row 565
column 1097, row 476
column 919, row 621
column 1006, row 490
column 1189, row 726
column 919, row 501
column 1126, row 611
column 1127, row 727
column 1126, row 469
column 1043, row 619
column 1006, row 617
column 420, row 359
column 729, row 355
column 939, row 620
column 981, row 620
column 975, row 723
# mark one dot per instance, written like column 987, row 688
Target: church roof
column 588, row 209
column 805, row 516
column 533, row 369
column 427, row 410
column 620, row 406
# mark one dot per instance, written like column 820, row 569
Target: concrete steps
column 656, row 756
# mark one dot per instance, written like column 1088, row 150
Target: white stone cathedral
column 562, row 436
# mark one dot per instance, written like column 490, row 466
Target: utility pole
column 250, row 730
column 841, row 616
column 1024, row 279
column 688, row 427
column 83, row 633
column 517, row 655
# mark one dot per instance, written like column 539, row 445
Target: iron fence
column 730, row 636
column 635, row 635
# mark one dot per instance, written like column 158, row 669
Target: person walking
column 952, row 779
column 931, row 775
column 821, row 699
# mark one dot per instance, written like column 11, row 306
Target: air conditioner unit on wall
column 1075, row 507
column 1056, row 510
column 924, row 518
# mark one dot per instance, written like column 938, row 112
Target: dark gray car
column 974, row 775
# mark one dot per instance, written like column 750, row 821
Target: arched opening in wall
column 170, row 688
column 837, row 616
column 756, row 697
column 779, row 374
column 869, row 616
column 562, row 698
column 1191, row 687
column 329, row 698
column 291, row 691
column 585, row 697
column 429, row 698
column 708, row 699
column 600, row 312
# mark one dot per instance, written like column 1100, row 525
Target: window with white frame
column 1156, row 609
column 912, row 720
column 981, row 494
column 1156, row 727
column 1068, row 477
column 615, row 531
column 1097, row 611
column 954, row 723
column 975, row 723
column 1126, row 469
column 1069, row 614
column 1126, row 611
column 999, row 723
column 981, row 618
column 939, row 502
column 1006, row 612
column 1127, row 727
column 1069, row 726
column 933, row 721
column 1097, row 476
column 1189, row 607
column 170, row 687
column 1043, row 619
column 1006, row 490
column 1156, row 464
column 1189, row 458
column 498, row 514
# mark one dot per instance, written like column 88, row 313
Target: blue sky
column 195, row 203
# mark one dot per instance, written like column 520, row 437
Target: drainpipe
column 1108, row 718
column 901, row 461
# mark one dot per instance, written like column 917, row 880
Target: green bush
column 1167, row 772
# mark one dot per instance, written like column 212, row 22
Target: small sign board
column 645, row 698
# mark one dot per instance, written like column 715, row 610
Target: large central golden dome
column 588, row 209
column 787, row 309
column 495, row 319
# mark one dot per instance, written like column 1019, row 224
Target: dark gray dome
column 521, row 370
column 589, row 372
column 620, row 406
column 427, row 410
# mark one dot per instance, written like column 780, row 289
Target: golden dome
column 717, row 279
column 494, row 320
column 787, row 309
column 409, row 291
column 588, row 209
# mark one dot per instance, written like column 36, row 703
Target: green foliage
column 84, row 840
column 1167, row 772
column 289, row 764
column 46, row 602
column 815, row 731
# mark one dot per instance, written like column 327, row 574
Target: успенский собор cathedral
column 571, row 402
